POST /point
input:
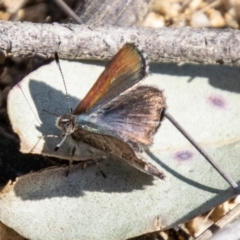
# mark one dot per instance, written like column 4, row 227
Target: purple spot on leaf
column 217, row 102
column 185, row 155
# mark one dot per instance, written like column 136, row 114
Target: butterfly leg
column 70, row 161
column 101, row 171
column 97, row 163
column 73, row 151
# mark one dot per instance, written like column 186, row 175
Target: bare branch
column 91, row 42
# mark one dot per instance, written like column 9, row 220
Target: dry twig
column 71, row 41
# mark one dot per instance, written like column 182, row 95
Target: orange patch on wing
column 127, row 63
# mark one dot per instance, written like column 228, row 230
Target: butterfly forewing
column 126, row 69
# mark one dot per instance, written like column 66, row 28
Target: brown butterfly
column 117, row 116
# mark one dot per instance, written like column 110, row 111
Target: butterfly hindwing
column 133, row 117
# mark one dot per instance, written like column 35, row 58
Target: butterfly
column 117, row 116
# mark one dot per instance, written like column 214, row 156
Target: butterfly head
column 67, row 123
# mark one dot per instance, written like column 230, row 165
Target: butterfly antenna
column 59, row 66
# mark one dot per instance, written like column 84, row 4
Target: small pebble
column 194, row 5
column 174, row 10
column 231, row 21
column 161, row 7
column 13, row 6
column 154, row 20
column 216, row 18
column 4, row 16
column 200, row 19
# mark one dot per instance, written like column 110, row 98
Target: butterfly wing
column 133, row 117
column 126, row 69
column 117, row 148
